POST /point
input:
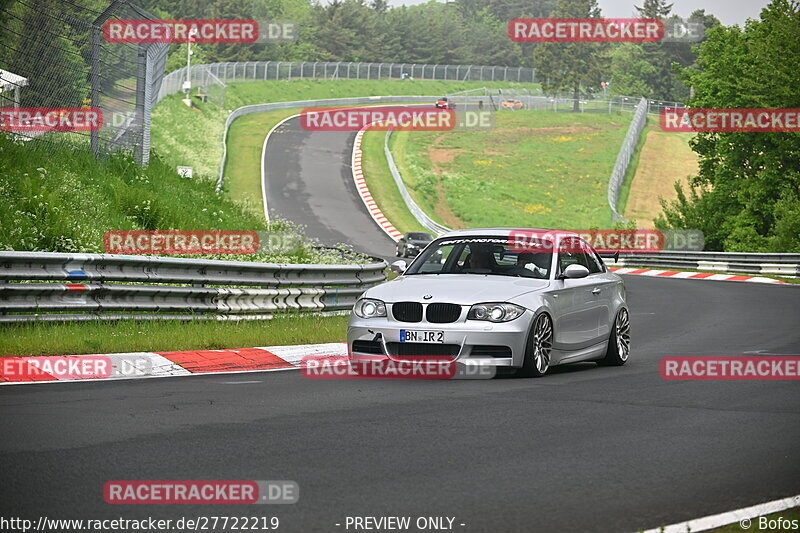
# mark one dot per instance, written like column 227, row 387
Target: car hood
column 462, row 289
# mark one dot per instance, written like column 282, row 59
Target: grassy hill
column 192, row 137
column 60, row 199
column 534, row 169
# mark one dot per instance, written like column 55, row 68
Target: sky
column 729, row 12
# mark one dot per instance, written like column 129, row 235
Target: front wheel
column 619, row 342
column 538, row 348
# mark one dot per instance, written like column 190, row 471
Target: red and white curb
column 166, row 364
column 693, row 275
column 361, row 184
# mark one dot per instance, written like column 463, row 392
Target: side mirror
column 576, row 272
column 398, row 267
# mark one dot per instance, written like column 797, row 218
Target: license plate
column 415, row 335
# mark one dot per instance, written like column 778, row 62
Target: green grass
column 72, row 338
column 534, row 169
column 59, row 198
column 382, row 186
column 244, row 93
column 398, row 145
column 661, row 160
column 184, row 136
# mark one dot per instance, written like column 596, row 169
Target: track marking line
column 263, row 160
column 744, row 516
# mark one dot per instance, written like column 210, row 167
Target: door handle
column 596, row 291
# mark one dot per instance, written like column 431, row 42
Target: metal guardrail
column 93, row 284
column 772, row 264
column 424, row 220
column 624, row 157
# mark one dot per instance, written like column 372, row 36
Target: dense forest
column 463, row 32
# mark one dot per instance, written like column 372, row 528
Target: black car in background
column 412, row 243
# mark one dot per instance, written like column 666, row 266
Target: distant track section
column 309, row 181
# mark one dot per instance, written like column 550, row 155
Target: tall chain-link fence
column 523, row 98
column 208, row 75
column 53, row 55
column 624, row 157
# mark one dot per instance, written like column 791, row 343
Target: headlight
column 369, row 308
column 495, row 312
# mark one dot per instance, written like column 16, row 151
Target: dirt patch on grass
column 443, row 156
column 665, row 159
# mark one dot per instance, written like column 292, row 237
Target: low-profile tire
column 619, row 342
column 538, row 348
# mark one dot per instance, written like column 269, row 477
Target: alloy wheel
column 542, row 343
column 623, row 334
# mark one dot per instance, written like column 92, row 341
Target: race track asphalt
column 583, row 449
column 310, row 182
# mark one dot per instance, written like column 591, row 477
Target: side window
column 573, row 251
column 592, row 263
column 568, row 254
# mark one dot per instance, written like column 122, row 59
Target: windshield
column 493, row 256
column 419, row 237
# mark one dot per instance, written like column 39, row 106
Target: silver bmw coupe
column 505, row 297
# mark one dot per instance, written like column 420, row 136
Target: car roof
column 502, row 232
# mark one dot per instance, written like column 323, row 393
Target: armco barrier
column 771, row 264
column 424, row 220
column 91, row 284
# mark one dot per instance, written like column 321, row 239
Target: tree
column 746, row 196
column 381, row 6
column 346, row 31
column 706, row 19
column 177, row 56
column 654, row 9
column 569, row 65
column 630, row 70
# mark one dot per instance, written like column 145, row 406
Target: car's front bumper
column 467, row 335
